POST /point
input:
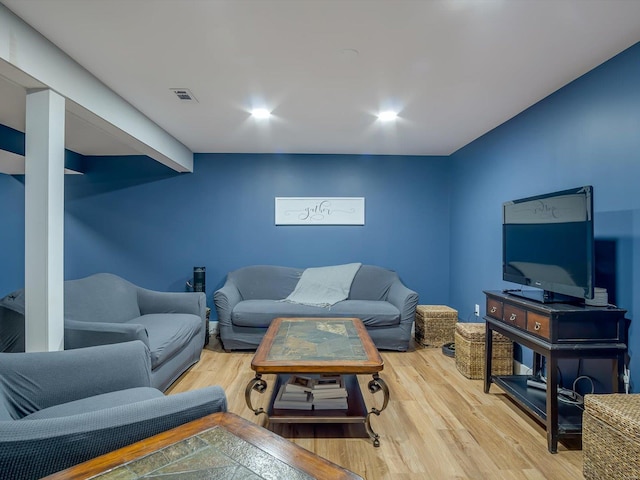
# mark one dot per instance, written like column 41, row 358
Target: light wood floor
column 438, row 425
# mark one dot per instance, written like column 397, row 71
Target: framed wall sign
column 319, row 210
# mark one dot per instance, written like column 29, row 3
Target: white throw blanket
column 324, row 286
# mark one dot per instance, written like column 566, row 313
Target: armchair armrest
column 78, row 334
column 404, row 299
column 33, row 381
column 32, row 448
column 151, row 301
column 224, row 300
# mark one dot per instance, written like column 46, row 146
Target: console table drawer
column 514, row 316
column 494, row 308
column 539, row 324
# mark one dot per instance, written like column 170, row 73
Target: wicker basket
column 469, row 338
column 435, row 325
column 611, row 436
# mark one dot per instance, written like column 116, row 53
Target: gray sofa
column 252, row 297
column 104, row 308
column 58, row 409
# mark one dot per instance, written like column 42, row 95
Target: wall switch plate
column 477, row 310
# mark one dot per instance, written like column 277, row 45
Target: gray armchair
column 58, row 409
column 104, row 308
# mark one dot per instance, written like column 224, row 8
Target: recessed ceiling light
column 387, row 116
column 260, row 113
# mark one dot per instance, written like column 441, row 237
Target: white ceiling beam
column 28, row 51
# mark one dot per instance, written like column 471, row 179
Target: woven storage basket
column 435, row 325
column 469, row 338
column 611, row 436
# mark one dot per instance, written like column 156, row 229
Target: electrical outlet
column 626, row 376
column 477, row 310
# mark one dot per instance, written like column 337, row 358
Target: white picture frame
column 319, row 210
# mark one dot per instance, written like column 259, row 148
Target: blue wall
column 133, row 217
column 11, row 234
column 587, row 133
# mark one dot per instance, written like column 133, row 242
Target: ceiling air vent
column 184, row 94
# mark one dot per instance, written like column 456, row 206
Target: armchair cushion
column 168, row 333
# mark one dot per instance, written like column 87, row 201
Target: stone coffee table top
column 317, row 345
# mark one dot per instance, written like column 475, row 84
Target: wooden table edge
column 269, row 442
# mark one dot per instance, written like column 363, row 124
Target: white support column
column 44, row 221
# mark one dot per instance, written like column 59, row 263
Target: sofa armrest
column 404, row 299
column 225, row 299
column 79, row 334
column 32, row 381
column 32, row 448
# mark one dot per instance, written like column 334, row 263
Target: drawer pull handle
column 513, row 317
column 494, row 309
column 537, row 326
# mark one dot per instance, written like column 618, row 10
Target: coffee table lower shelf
column 356, row 412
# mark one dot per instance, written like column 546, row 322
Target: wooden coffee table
column 221, row 445
column 308, row 346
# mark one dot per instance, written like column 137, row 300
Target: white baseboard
column 213, row 328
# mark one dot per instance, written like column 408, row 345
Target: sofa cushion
column 373, row 313
column 265, row 281
column 260, row 313
column 372, row 283
column 97, row 402
column 168, row 333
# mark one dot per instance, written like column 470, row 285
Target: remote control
column 535, row 383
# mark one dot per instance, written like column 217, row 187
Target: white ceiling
column 454, row 69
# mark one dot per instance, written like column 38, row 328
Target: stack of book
column 306, row 393
column 295, row 394
column 329, row 393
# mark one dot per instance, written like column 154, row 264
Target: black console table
column 553, row 331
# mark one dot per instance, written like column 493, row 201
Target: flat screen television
column 548, row 243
